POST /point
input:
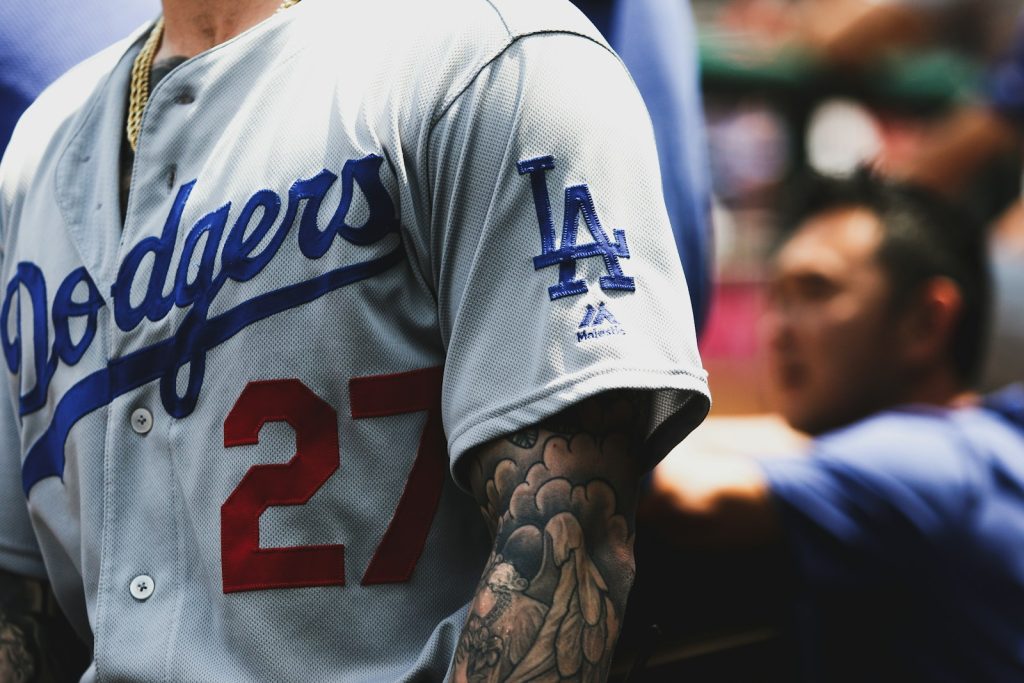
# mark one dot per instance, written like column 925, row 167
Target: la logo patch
column 578, row 201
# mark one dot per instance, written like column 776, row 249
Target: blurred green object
column 920, row 79
column 939, row 76
column 733, row 60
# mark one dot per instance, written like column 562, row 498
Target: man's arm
column 720, row 501
column 713, row 502
column 970, row 138
column 36, row 642
column 855, row 33
column 559, row 499
column 709, row 492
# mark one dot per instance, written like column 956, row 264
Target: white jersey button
column 142, row 421
column 142, row 587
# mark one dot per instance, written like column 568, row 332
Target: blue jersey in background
column 907, row 530
column 41, row 39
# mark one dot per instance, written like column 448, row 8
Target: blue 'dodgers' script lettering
column 242, row 258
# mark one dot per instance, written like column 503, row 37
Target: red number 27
column 248, row 567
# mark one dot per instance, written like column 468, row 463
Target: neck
column 939, row 387
column 194, row 26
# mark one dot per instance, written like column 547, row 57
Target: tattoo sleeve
column 36, row 642
column 559, row 498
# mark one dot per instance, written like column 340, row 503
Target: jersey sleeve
column 556, row 270
column 873, row 503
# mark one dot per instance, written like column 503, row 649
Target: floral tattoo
column 558, row 499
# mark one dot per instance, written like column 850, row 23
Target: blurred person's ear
column 927, row 323
column 1004, row 362
column 1007, row 236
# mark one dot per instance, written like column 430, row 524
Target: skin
column 559, row 499
column 36, row 642
column 855, row 33
column 848, row 34
column 194, row 26
column 962, row 145
column 839, row 350
column 829, row 325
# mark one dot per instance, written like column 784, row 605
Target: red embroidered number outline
column 385, row 395
column 245, row 565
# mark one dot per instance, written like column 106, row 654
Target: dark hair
column 923, row 237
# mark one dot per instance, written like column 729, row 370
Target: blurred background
column 928, row 91
column 825, row 85
column 796, row 85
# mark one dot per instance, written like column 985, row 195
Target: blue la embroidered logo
column 598, row 322
column 578, row 202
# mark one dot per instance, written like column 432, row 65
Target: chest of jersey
column 235, row 395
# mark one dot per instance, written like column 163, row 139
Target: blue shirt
column 657, row 41
column 41, row 39
column 1005, row 81
column 907, row 529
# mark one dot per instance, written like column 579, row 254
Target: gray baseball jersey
column 361, row 239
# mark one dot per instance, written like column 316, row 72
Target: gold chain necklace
column 142, row 67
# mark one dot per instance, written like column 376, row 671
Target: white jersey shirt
column 361, row 239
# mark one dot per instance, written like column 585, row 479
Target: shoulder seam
column 513, row 39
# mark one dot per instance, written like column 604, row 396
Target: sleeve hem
column 515, row 414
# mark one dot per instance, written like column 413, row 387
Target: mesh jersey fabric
column 907, row 532
column 560, row 368
column 332, row 215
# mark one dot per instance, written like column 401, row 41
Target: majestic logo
column 598, row 322
column 242, row 258
column 577, row 201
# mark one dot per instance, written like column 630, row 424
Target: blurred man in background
column 965, row 143
column 905, row 525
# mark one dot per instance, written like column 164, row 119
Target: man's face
column 829, row 323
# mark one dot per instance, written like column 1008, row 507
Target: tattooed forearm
column 36, row 643
column 16, row 662
column 559, row 499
